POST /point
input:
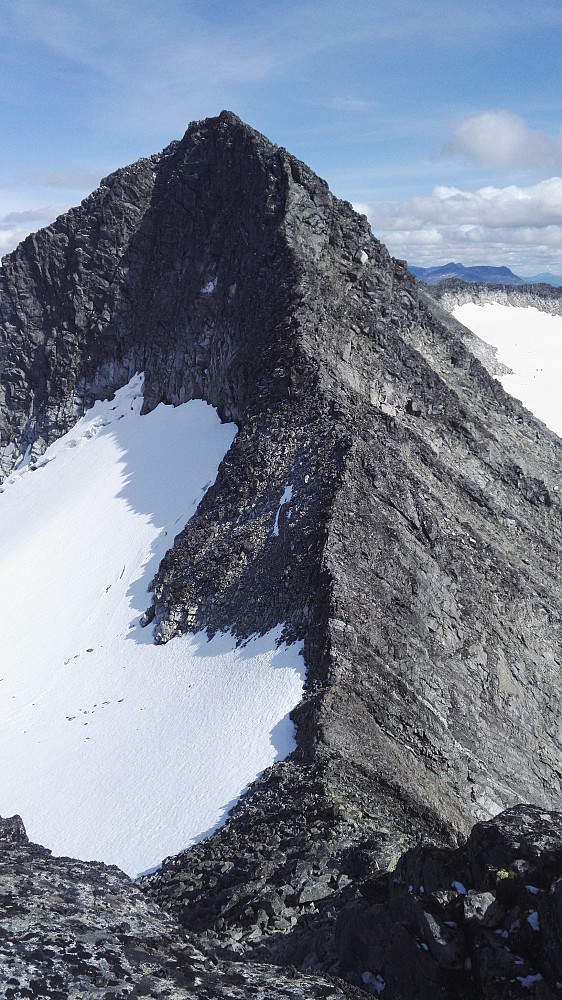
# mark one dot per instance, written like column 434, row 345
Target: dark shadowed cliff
column 419, row 557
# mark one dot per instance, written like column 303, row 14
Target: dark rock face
column 418, row 558
column 481, row 921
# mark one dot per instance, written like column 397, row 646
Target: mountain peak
column 384, row 502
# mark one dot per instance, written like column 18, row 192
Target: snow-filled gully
column 115, row 749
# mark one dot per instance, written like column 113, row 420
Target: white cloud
column 46, row 214
column 537, row 205
column 9, row 238
column 503, row 140
column 519, row 226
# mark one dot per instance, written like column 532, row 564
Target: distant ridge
column 489, row 275
column 481, row 274
column 544, row 278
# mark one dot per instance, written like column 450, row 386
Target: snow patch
column 529, row 342
column 286, row 498
column 533, row 920
column 528, row 981
column 115, row 749
column 376, row 983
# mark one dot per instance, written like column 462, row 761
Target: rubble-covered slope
column 481, row 922
column 73, row 929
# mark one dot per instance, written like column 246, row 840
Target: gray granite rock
column 79, row 929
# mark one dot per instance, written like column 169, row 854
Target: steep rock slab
column 439, row 487
column 384, row 497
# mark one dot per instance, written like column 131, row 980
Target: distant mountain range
column 489, row 275
column 546, row 278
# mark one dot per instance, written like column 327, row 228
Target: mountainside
column 481, row 274
column 163, row 737
column 384, row 501
column 523, row 326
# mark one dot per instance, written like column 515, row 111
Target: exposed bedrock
column 418, row 556
column 480, row 922
column 75, row 929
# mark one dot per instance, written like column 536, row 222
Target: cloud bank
column 16, row 225
column 517, row 226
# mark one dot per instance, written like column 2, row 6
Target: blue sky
column 441, row 120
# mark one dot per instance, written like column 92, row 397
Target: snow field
column 529, row 342
column 115, row 749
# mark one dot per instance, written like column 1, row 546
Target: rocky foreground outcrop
column 482, row 921
column 418, row 558
column 74, row 929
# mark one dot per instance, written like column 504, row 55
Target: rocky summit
column 418, row 560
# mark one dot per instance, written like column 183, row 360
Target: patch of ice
column 528, row 981
column 209, row 286
column 23, row 461
column 376, row 983
column 533, row 920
